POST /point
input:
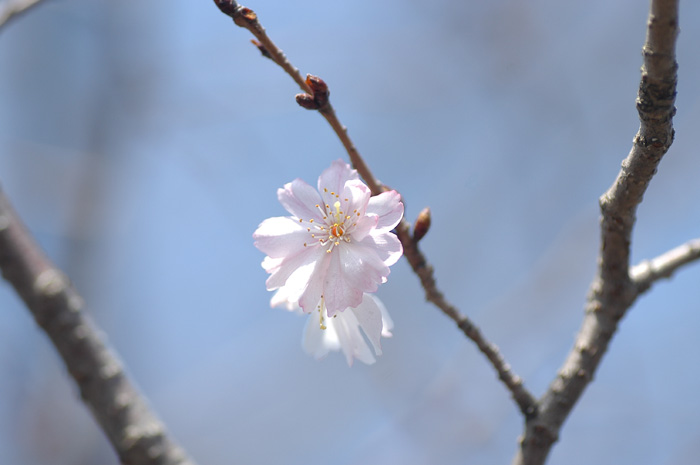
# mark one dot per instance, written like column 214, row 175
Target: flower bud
column 420, row 228
column 319, row 89
column 307, row 101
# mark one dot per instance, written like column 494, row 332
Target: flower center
column 337, row 228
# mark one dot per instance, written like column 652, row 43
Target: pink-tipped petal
column 300, row 199
column 334, row 177
column 338, row 293
column 387, row 246
column 388, row 207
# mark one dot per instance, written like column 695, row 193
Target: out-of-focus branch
column 247, row 19
column 649, row 271
column 613, row 290
column 137, row 435
column 11, row 8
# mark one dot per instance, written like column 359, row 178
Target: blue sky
column 144, row 143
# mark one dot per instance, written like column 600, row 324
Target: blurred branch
column 613, row 290
column 649, row 271
column 135, row 432
column 12, row 8
column 246, row 18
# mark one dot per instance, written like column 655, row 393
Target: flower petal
column 362, row 266
column 333, row 178
column 318, row 342
column 350, row 338
column 280, row 236
column 303, row 263
column 284, row 299
column 300, row 199
column 355, row 196
column 363, row 227
column 387, row 246
column 388, row 207
column 369, row 317
column 313, row 291
column 338, row 291
column 387, row 322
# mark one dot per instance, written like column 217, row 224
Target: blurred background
column 143, row 143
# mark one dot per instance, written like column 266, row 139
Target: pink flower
column 336, row 245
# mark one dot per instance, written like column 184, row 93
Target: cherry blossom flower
column 342, row 331
column 337, row 244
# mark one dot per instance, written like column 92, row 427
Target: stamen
column 321, row 307
column 320, row 319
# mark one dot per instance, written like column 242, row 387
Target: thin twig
column 613, row 291
column 137, row 435
column 247, row 19
column 649, row 271
column 12, row 8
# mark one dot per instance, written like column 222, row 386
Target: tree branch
column 649, row 271
column 12, row 8
column 613, row 291
column 246, row 18
column 137, row 435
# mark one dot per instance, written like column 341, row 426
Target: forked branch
column 614, row 290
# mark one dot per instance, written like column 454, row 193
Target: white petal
column 362, row 267
column 363, row 227
column 318, row 342
column 303, row 263
column 351, row 341
column 280, row 236
column 333, row 178
column 271, row 264
column 300, row 199
column 369, row 317
column 311, row 296
column 283, row 299
column 388, row 207
column 357, row 195
column 387, row 246
column 387, row 322
column 338, row 291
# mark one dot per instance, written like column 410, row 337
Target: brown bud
column 307, row 101
column 319, row 88
column 422, row 225
column 226, row 6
